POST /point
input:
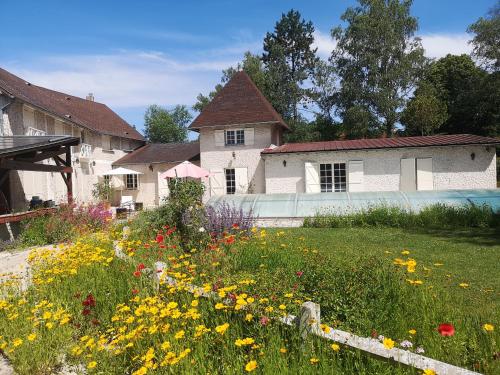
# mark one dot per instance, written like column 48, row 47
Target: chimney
column 90, row 97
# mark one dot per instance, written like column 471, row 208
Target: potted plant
column 102, row 192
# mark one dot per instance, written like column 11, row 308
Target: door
column 408, row 175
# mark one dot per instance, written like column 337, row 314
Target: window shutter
column 241, row 179
column 249, row 136
column 407, row 175
column 216, row 182
column 356, row 175
column 424, row 174
column 312, row 177
column 219, row 138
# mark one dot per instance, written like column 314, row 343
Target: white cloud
column 439, row 45
column 324, row 43
column 126, row 78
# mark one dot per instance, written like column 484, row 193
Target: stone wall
column 454, row 167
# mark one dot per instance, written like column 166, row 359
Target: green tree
column 165, row 126
column 486, row 39
column 425, row 112
column 289, row 60
column 378, row 60
column 251, row 64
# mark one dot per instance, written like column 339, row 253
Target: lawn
column 470, row 256
column 100, row 311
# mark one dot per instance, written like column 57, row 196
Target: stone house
column 30, row 110
column 241, row 145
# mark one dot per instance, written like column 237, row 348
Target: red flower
column 137, row 273
column 147, row 246
column 299, row 273
column 135, row 291
column 89, row 301
column 235, row 226
column 230, row 240
column 446, row 329
column 95, row 322
column 140, row 267
column 159, row 238
column 86, row 311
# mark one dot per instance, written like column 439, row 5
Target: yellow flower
column 250, row 366
column 428, row 372
column 248, row 317
column 194, row 303
column 92, row 364
column 335, row 347
column 165, row 346
column 488, row 327
column 47, row 315
column 219, row 306
column 412, row 331
column 405, row 252
column 222, row 328
column 32, row 337
column 180, row 334
column 243, row 342
column 313, row 360
column 463, row 285
column 282, row 307
column 388, row 343
column 283, row 350
column 17, row 342
column 49, row 325
column 325, row 328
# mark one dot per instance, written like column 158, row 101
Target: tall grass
column 436, row 216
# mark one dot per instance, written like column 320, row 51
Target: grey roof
column 162, row 153
column 18, row 144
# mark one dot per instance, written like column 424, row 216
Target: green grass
column 469, row 255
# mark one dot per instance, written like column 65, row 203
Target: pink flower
column 264, row 321
column 299, row 273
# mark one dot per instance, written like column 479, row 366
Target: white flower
column 201, row 230
column 381, row 338
column 406, row 344
column 420, row 350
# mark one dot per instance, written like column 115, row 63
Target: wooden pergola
column 24, row 153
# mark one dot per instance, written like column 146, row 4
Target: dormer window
column 234, row 137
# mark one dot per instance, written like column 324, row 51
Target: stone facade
column 21, row 119
column 216, row 158
column 453, row 167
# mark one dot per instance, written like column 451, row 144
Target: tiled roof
column 162, row 153
column 381, row 143
column 86, row 113
column 239, row 102
column 19, row 144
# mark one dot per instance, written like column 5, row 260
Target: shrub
column 63, row 225
column 436, row 216
column 223, row 217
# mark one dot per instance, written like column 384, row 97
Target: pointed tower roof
column 239, row 102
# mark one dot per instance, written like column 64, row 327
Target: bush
column 63, row 225
column 436, row 216
column 223, row 217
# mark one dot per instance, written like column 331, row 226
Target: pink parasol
column 185, row 169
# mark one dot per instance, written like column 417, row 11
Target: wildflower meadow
column 102, row 313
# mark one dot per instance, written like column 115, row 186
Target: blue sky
column 134, row 53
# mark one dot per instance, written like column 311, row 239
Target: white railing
column 33, row 132
column 85, row 151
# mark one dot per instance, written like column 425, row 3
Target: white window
column 234, row 137
column 230, row 181
column 131, row 181
column 333, row 177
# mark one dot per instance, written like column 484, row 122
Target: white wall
column 245, row 156
column 26, row 184
column 453, row 167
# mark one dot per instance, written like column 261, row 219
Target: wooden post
column 69, row 178
column 309, row 319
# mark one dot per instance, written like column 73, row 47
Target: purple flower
column 406, row 344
